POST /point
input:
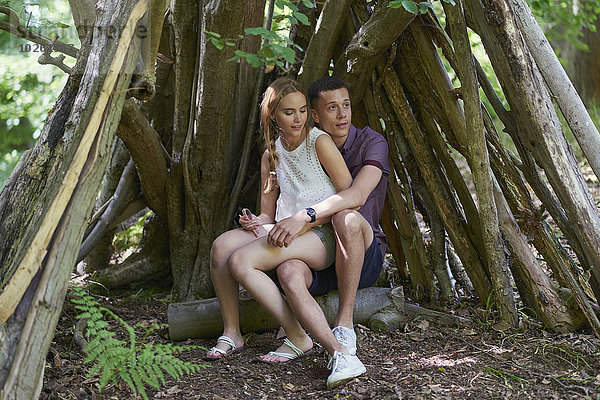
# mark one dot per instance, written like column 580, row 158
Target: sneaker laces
column 344, row 337
column 335, row 361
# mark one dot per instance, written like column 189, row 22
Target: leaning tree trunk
column 558, row 82
column 52, row 193
column 540, row 127
column 480, row 166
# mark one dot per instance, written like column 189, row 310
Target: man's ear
column 314, row 115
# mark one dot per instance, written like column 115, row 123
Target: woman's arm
column 268, row 201
column 333, row 162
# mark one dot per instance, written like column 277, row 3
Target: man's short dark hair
column 324, row 84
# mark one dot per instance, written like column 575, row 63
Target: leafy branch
column 137, row 364
column 276, row 48
column 416, row 7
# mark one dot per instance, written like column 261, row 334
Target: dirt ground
column 419, row 361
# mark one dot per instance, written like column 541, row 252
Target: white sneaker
column 343, row 368
column 346, row 337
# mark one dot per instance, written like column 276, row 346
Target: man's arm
column 286, row 230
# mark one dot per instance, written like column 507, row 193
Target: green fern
column 137, row 364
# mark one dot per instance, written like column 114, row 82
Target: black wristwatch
column 312, row 214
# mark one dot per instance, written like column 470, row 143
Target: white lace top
column 301, row 178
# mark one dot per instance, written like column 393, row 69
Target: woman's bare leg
column 248, row 265
column 226, row 287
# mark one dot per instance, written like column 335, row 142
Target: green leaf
column 139, row 385
column 259, row 30
column 424, row 6
column 159, row 373
column 269, row 51
column 288, row 54
column 308, row 3
column 127, row 378
column 301, row 17
column 215, row 34
column 217, row 43
column 281, row 4
column 410, row 6
column 149, row 377
column 252, row 59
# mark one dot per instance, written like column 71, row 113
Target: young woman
column 300, row 167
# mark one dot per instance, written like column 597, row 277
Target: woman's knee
column 219, row 253
column 223, row 246
column 238, row 265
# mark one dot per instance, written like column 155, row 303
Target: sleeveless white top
column 302, row 181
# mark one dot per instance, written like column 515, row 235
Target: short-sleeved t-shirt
column 367, row 147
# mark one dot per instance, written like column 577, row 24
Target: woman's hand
column 249, row 221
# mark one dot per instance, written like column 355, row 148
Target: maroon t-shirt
column 367, row 147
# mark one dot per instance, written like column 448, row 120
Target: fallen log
column 381, row 309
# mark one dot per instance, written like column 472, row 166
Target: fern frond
column 106, row 376
column 138, row 382
column 127, row 379
column 149, row 376
column 150, row 379
column 134, row 363
column 158, row 372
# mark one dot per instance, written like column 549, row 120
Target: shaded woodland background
column 487, row 136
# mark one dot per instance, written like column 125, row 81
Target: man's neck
column 339, row 141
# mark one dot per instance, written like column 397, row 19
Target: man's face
column 334, row 114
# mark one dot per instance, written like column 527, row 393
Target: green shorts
column 327, row 236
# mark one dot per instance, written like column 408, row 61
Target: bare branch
column 46, row 58
column 16, row 29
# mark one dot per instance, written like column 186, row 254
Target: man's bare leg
column 354, row 236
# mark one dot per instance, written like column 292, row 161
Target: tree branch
column 83, row 16
column 146, row 149
column 16, row 29
column 320, row 49
column 46, row 58
column 359, row 59
column 118, row 203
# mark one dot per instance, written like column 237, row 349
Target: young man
column 360, row 243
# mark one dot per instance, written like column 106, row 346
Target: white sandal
column 296, row 355
column 223, row 353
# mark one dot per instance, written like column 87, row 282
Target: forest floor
column 420, row 361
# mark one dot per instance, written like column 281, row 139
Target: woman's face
column 292, row 114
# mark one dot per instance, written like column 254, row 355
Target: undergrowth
column 136, row 363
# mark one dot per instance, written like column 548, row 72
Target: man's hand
column 288, row 229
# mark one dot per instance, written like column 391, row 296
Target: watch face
column 311, row 213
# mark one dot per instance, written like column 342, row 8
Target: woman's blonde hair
column 276, row 91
